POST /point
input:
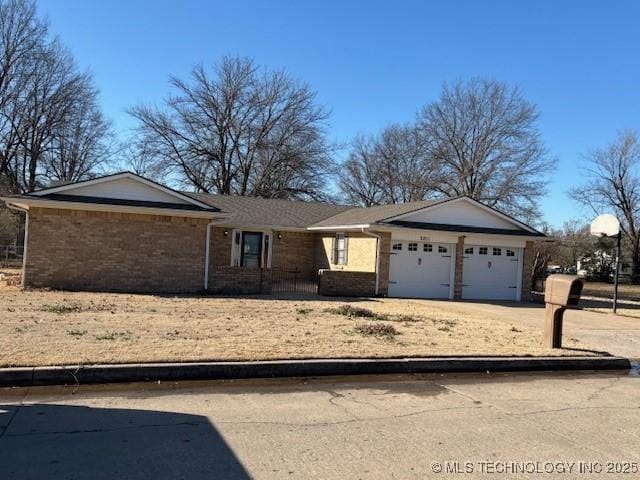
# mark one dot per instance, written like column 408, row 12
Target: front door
column 251, row 249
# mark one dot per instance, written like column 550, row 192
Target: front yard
column 53, row 328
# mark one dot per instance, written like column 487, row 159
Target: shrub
column 304, row 311
column 357, row 312
column 376, row 329
column 60, row 308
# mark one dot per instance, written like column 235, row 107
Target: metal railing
column 11, row 256
column 294, row 281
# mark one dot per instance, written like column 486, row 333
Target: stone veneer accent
column 110, row 251
column 459, row 269
column 527, row 272
column 347, row 283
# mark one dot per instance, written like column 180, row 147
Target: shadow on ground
column 78, row 442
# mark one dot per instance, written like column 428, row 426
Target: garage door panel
column 490, row 273
column 420, row 270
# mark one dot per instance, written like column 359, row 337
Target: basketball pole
column 615, row 276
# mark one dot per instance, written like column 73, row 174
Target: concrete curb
column 141, row 372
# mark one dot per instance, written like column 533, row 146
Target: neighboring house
column 125, row 233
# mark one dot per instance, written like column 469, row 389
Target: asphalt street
column 423, row 426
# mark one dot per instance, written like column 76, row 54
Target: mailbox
column 561, row 292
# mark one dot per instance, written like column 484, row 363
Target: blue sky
column 375, row 62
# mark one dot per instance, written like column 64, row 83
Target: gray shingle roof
column 267, row 212
column 365, row 216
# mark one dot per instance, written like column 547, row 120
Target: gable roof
column 269, row 212
column 368, row 215
column 392, row 215
column 67, row 189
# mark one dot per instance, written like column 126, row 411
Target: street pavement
column 420, row 426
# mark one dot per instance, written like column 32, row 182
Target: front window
column 341, row 249
column 251, row 249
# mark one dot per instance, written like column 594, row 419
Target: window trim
column 336, row 249
column 266, row 247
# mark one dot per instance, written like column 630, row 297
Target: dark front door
column 251, row 249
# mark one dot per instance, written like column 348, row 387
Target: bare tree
column 50, row 125
column 388, row 168
column 82, row 143
column 242, row 130
column 613, row 185
column 483, row 135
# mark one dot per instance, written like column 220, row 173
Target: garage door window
column 427, row 247
column 412, row 247
column 482, row 251
column 497, row 251
column 397, row 246
column 442, row 249
column 468, row 251
column 511, row 253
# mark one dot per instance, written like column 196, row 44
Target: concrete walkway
column 387, row 427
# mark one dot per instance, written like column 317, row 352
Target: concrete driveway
column 606, row 332
column 332, row 428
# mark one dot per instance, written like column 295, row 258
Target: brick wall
column 108, row 251
column 294, row 251
column 347, row 283
column 527, row 272
column 238, row 280
column 220, row 253
column 459, row 268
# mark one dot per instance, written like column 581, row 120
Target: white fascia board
column 472, row 201
column 129, row 175
column 98, row 207
column 260, row 228
column 340, row 227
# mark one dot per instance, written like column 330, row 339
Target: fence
column 293, row 281
column 11, row 256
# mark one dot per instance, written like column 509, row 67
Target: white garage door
column 490, row 273
column 420, row 270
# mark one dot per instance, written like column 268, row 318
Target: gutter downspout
column 26, row 238
column 378, row 241
column 207, row 248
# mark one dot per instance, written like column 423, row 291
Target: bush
column 60, row 308
column 376, row 329
column 357, row 312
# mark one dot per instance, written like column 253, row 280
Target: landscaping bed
column 55, row 328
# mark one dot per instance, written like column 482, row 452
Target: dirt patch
column 51, row 327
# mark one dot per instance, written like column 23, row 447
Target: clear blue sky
column 376, row 62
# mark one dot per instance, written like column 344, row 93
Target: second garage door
column 490, row 273
column 420, row 270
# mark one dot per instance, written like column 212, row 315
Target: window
column 511, row 253
column 250, row 249
column 340, row 252
column 482, row 251
column 442, row 249
column 427, row 247
column 468, row 251
column 497, row 251
column 397, row 246
column 412, row 247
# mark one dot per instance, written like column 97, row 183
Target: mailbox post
column 561, row 292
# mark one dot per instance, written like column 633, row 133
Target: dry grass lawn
column 55, row 328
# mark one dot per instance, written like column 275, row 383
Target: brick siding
column 459, row 269
column 109, row 251
column 347, row 283
column 295, row 251
column 527, row 272
column 240, row 280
